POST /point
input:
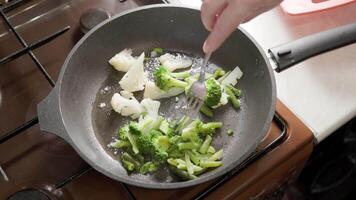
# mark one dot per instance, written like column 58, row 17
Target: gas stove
column 35, row 38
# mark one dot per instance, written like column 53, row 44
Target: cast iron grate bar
column 18, row 130
column 128, row 191
column 33, row 46
column 73, row 177
column 23, row 43
column 12, row 5
column 254, row 156
column 27, row 49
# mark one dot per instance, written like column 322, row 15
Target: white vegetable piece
column 151, row 107
column 126, row 104
column 134, row 79
column 172, row 62
column 123, row 61
column 233, row 77
column 154, row 92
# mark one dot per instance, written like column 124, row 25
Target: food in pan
column 150, row 140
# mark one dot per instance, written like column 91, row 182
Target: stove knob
column 92, row 17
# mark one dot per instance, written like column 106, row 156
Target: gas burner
column 92, row 17
column 29, row 194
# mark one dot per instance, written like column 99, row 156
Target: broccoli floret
column 165, row 81
column 123, row 132
column 213, row 92
column 151, row 144
column 134, row 128
column 218, row 73
column 209, row 128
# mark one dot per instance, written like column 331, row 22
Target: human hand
column 222, row 17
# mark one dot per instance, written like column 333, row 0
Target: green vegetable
column 205, row 146
column 213, row 92
column 129, row 162
column 191, row 132
column 194, row 157
column 123, row 132
column 218, row 73
column 165, row 81
column 133, row 141
column 183, row 174
column 151, row 145
column 234, row 101
column 206, row 110
column 216, row 156
column 181, row 75
column 158, row 50
column 184, row 144
column 128, row 165
column 188, row 145
column 208, row 164
column 230, row 132
column 220, row 80
column 236, row 91
column 210, row 127
column 165, row 128
column 120, row 144
column 211, row 149
column 156, row 124
column 163, row 142
column 148, row 167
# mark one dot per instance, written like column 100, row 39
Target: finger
column 209, row 10
column 227, row 22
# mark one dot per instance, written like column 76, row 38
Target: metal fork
column 197, row 92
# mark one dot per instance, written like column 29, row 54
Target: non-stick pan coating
column 86, row 71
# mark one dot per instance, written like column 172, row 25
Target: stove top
column 35, row 38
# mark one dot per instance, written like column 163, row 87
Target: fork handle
column 203, row 67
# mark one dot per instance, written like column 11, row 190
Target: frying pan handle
column 296, row 51
column 49, row 115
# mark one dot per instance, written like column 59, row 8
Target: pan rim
column 164, row 185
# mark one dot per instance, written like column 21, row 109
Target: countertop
column 321, row 91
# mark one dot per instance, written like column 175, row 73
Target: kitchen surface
column 315, row 98
column 326, row 82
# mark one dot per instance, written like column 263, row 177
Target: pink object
column 297, row 7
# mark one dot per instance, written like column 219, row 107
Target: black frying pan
column 70, row 111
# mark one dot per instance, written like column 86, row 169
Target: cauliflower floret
column 233, row 76
column 153, row 92
column 123, row 60
column 172, row 62
column 151, row 107
column 134, row 79
column 126, row 104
